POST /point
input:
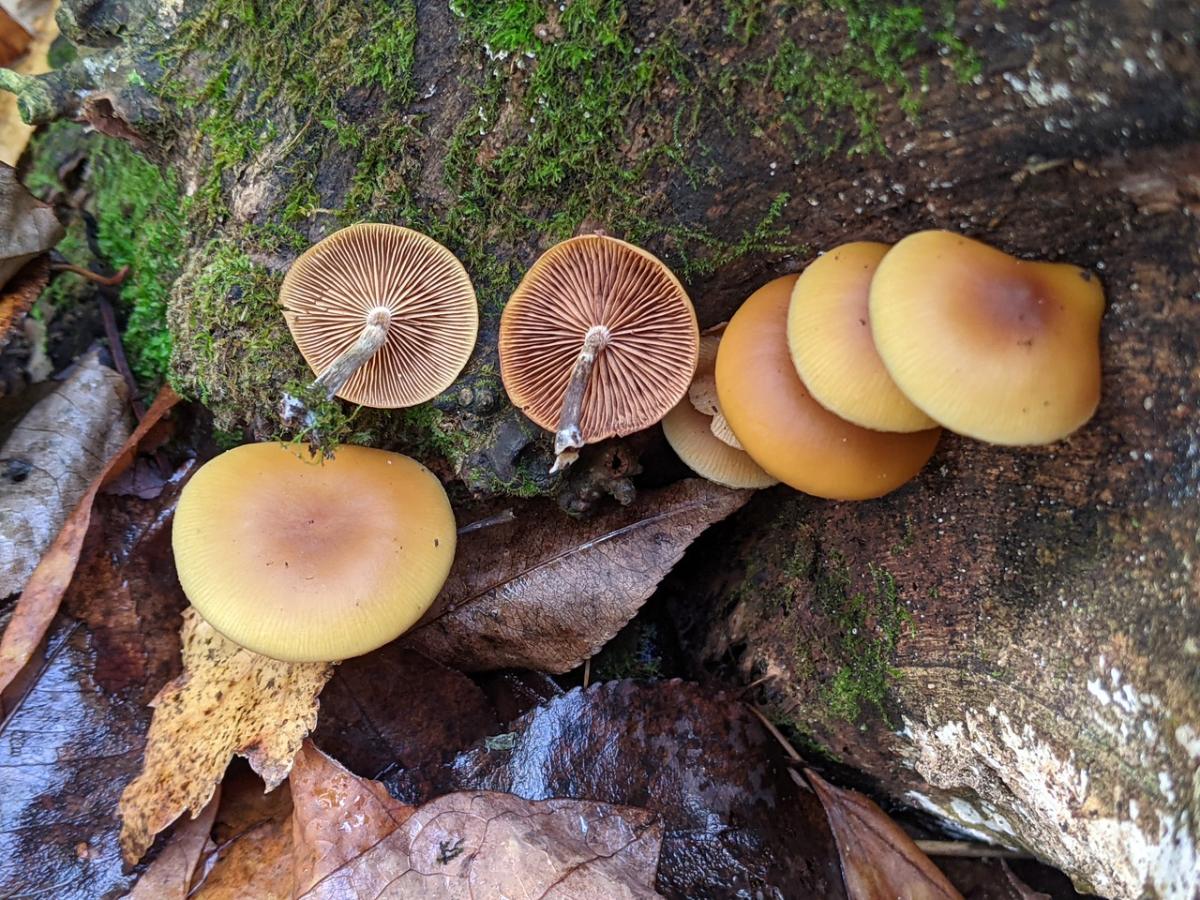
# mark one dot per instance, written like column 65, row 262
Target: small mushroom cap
column 305, row 561
column 690, row 436
column 331, row 290
column 990, row 346
column 590, row 281
column 786, row 431
column 829, row 335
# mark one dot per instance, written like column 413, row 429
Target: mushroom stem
column 569, row 439
column 374, row 336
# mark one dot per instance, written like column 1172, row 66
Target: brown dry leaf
column 170, row 876
column 879, row 861
column 63, row 441
column 548, row 593
column 482, row 844
column 19, row 294
column 14, row 38
column 336, row 816
column 35, row 609
column 254, row 835
column 30, row 227
column 228, row 701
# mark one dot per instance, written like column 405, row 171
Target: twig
column 94, row 277
column 778, row 735
column 587, row 671
column 118, row 354
column 969, row 849
column 506, row 515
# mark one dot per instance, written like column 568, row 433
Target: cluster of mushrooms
column 834, row 382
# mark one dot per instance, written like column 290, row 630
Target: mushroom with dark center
column 599, row 340
column 384, row 315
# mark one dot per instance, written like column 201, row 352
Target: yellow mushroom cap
column 690, row 435
column 829, row 335
column 305, row 561
column 990, row 346
column 335, row 287
column 786, row 431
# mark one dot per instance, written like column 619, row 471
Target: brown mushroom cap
column 991, row 346
column 829, row 335
column 418, row 288
column 651, row 347
column 305, row 561
column 786, row 431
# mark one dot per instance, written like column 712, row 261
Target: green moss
column 138, row 224
column 868, row 623
column 633, row 653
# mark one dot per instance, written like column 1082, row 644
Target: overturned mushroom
column 305, row 561
column 384, row 315
column 993, row 347
column 599, row 340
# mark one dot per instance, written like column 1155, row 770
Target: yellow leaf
column 228, row 700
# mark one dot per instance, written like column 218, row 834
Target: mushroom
column 788, row 433
column 829, row 336
column 993, row 347
column 692, row 431
column 384, row 315
column 599, row 340
column 305, row 561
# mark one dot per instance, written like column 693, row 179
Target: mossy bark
column 1012, row 640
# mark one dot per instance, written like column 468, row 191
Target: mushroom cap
column 305, row 561
column 331, row 290
column 990, row 346
column 589, row 281
column 829, row 336
column 792, row 436
column 690, row 435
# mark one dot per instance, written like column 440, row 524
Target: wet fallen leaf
column 253, row 834
column 879, row 861
column 170, row 876
column 547, row 594
column 228, row 701
column 35, row 609
column 483, row 844
column 736, row 825
column 395, row 707
column 57, row 448
column 75, row 731
column 337, row 816
column 30, row 227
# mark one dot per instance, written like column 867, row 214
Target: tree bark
column 1012, row 641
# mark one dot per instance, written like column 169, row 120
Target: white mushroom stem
column 374, row 336
column 569, row 438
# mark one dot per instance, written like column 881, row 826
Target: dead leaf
column 336, row 816
column 546, row 592
column 170, row 876
column 30, row 227
column 395, row 707
column 79, row 712
column 35, row 609
column 17, row 297
column 879, row 861
column 65, row 749
column 736, row 824
column 14, row 38
column 228, row 701
column 253, row 834
column 482, row 844
column 59, row 446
